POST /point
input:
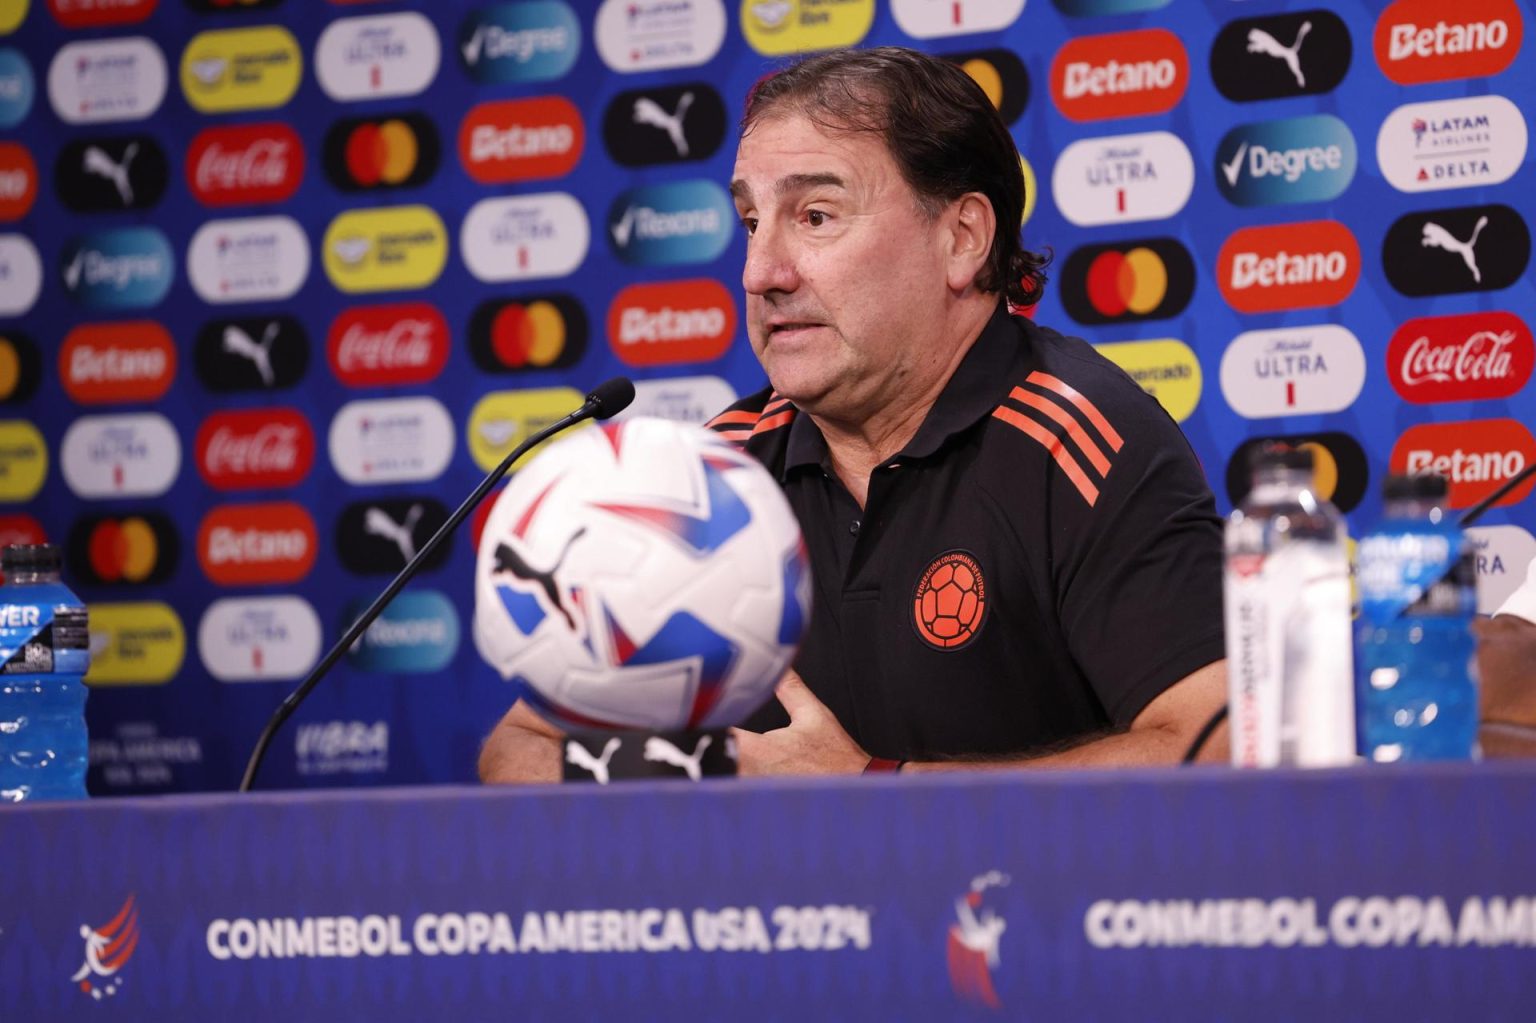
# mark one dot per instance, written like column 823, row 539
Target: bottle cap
column 1425, row 487
column 1276, row 454
column 29, row 557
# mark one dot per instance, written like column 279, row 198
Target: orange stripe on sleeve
column 1074, row 429
column 1082, row 404
column 1051, row 443
column 745, row 417
column 773, row 422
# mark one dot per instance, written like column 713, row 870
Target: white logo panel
column 525, row 238
column 1454, row 143
column 248, row 260
column 377, row 56
column 1503, row 555
column 391, row 440
column 259, row 639
column 1123, row 178
column 650, row 35
column 1292, row 371
column 930, row 19
column 107, row 80
column 120, row 456
column 21, row 274
column 681, row 399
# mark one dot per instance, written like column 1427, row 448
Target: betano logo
column 248, row 260
column 109, row 363
column 416, row 634
column 1468, row 357
column 1001, row 75
column 653, row 35
column 363, row 153
column 673, row 322
column 390, row 249
column 225, row 70
column 534, row 332
column 135, row 455
column 135, row 644
column 1123, row 282
column 778, row 27
column 92, row 13
column 536, row 41
column 500, row 420
column 23, row 460
column 1164, row 368
column 1339, row 470
column 391, row 440
column 245, row 164
column 18, row 181
column 1122, row 74
column 1453, row 143
column 259, row 639
column 118, row 268
column 16, row 88
column 1299, row 53
column 255, row 449
column 1292, row 160
column 377, row 56
column 525, row 237
column 21, row 367
column 927, row 19
column 107, row 80
column 21, row 274
column 672, row 223
column 388, row 345
column 1288, row 266
column 1293, row 371
column 521, row 140
column 257, row 544
column 1421, row 41
column 1123, row 178
column 106, row 550
column 1476, row 457
column 13, row 13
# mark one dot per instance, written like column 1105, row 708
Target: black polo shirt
column 1037, row 564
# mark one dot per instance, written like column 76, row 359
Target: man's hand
column 1506, row 662
column 812, row 743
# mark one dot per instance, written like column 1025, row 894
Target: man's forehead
column 791, row 152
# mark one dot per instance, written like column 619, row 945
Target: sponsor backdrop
column 279, row 280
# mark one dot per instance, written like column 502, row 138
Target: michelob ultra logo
column 245, row 164
column 924, row 19
column 119, row 268
column 1298, row 53
column 21, row 367
column 681, row 399
column 1432, row 41
column 502, row 419
column 106, row 550
column 18, row 181
column 1123, row 74
column 417, row 633
column 391, row 440
column 1292, row 371
column 248, row 260
column 1166, row 369
column 1467, row 357
column 535, row 41
column 1339, row 470
column 651, row 35
column 400, row 151
column 1500, row 554
column 107, row 80
column 525, row 237
column 674, row 322
column 241, row 69
column 1476, row 457
column 1296, row 159
column 1453, row 143
column 387, row 345
column 135, row 644
column 1288, row 266
column 86, row 13
column 390, row 249
column 107, row 363
column 1443, row 252
column 258, row 639
column 21, row 274
column 377, row 56
column 672, row 223
column 777, row 27
column 23, row 460
column 534, row 332
column 17, row 89
column 1123, row 178
column 1001, row 75
column 257, row 544
column 1123, row 282
column 135, row 455
column 521, row 139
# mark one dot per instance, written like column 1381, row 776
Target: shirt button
column 853, row 528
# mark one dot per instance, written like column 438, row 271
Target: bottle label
column 1416, row 572
column 42, row 639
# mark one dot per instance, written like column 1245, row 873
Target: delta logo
column 377, row 56
column 418, row 633
column 1292, row 160
column 391, row 440
column 259, row 639
column 1303, row 53
column 255, row 449
column 1454, row 143
column 1421, row 41
column 1340, row 473
column 1468, row 357
column 1165, row 368
column 116, row 456
column 521, row 140
column 368, row 153
column 1288, row 266
column 1476, row 457
column 102, row 175
column 138, row 643
column 926, row 19
column 394, row 248
column 388, row 345
column 118, row 268
column 18, row 181
column 1126, row 282
column 107, row 80
column 112, row 550
column 1001, row 75
column 525, row 237
column 17, row 89
column 99, row 13
column 23, row 460
column 1122, row 74
column 226, row 70
column 112, row 363
column 669, row 224
column 21, row 274
column 1293, row 371
column 671, row 323
column 654, row 35
column 249, row 259
column 1123, row 178
column 536, row 41
column 257, row 544
column 531, row 333
column 245, row 164
column 21, row 368
column 1443, row 252
column 775, row 28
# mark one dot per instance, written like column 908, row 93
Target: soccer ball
column 642, row 575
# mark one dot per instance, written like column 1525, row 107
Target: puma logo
column 98, row 162
column 1437, row 237
column 576, row 754
column 508, row 560
column 377, row 522
column 661, row 751
column 1260, row 41
column 238, row 342
column 648, row 111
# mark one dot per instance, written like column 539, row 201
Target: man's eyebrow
column 742, row 192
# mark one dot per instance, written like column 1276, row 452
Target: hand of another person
column 812, row 743
column 1506, row 661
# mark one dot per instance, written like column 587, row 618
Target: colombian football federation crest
column 950, row 601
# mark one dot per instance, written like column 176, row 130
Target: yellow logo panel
column 23, row 460
column 138, row 644
column 1029, row 190
column 775, row 27
column 1165, row 369
column 502, row 419
column 12, row 13
column 241, row 69
column 390, row 249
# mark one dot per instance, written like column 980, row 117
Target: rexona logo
column 120, row 268
column 665, row 124
column 255, row 449
column 388, row 345
column 21, row 274
column 1501, row 554
column 525, row 237
column 107, row 550
column 107, row 363
column 363, row 153
column 1166, row 369
column 105, row 175
column 1292, row 371
column 519, row 42
column 259, row 639
column 248, row 260
column 241, row 69
column 1288, row 266
column 927, row 19
column 18, row 181
column 1431, row 41
column 1001, row 75
column 672, row 223
column 533, row 332
column 245, row 164
column 23, row 460
column 521, row 139
column 391, row 440
column 500, row 420
column 377, row 56
column 252, row 353
column 1122, row 282
column 1454, row 143
column 107, row 80
column 379, row 537
column 120, row 456
column 257, row 544
column 1123, row 74
column 1297, row 159
column 1469, row 357
column 97, row 13
column 1442, row 252
column 651, row 35
column 1092, row 8
column 675, row 322
column 1300, row 54
column 16, row 88
column 391, row 249
column 1477, row 457
column 1339, row 471
column 1123, row 178
column 21, row 368
column 418, row 633
column 135, row 644
column 777, row 27
column 681, row 399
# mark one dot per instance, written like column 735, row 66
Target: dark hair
column 941, row 129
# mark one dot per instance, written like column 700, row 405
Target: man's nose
column 770, row 264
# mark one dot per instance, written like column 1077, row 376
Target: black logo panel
column 1001, row 75
column 1442, row 252
column 21, row 367
column 531, row 333
column 666, row 124
column 1339, row 470
column 1124, row 282
column 1281, row 55
column 123, row 550
column 367, row 153
column 379, row 537
column 251, row 353
column 106, row 175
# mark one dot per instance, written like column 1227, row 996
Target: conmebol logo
column 679, row 321
column 119, row 268
column 256, row 544
column 1123, row 74
column 519, row 42
column 521, row 139
column 1297, row 159
column 1477, row 457
column 1433, row 41
column 383, row 345
column 1288, row 266
column 255, row 449
column 102, row 363
column 245, row 164
column 1469, row 357
column 672, row 223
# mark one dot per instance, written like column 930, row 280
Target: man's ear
column 971, row 225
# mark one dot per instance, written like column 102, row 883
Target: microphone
column 1476, row 512
column 606, row 400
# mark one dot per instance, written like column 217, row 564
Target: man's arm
column 522, row 748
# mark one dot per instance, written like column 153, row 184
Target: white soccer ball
column 646, row 575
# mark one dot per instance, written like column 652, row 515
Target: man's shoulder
column 757, row 422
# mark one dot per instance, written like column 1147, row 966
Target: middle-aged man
column 1016, row 557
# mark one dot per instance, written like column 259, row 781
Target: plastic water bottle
column 44, row 654
column 1290, row 681
column 1416, row 689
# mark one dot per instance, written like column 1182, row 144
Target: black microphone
column 607, row 399
column 1477, row 511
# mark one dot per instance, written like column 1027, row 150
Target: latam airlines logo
column 251, row 353
column 1477, row 457
column 535, row 41
column 257, row 544
column 105, row 175
column 1292, row 371
column 387, row 345
column 1442, row 252
column 16, row 88
column 675, row 322
column 391, row 440
column 1294, row 160
column 1304, row 53
column 666, row 124
column 21, row 274
column 367, row 153
column 1288, row 266
column 97, row 13
column 1430, row 41
column 120, row 456
column 107, row 80
column 377, row 56
column 652, row 35
column 1469, row 357
column 673, row 223
column 1123, row 74
column 925, row 19
column 1124, row 282
column 241, row 69
column 1165, row 368
column 416, row 634
column 1454, row 143
column 106, row 363
column 521, row 139
column 390, row 249
column 255, row 449
column 248, row 260
column 1123, row 178
column 245, row 164
column 18, row 181
column 525, row 237
column 534, row 332
column 777, row 27
column 120, row 268
column 259, row 639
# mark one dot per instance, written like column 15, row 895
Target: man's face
column 845, row 274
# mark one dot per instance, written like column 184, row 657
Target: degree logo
column 109, row 550
column 778, row 27
column 1299, row 54
column 390, row 249
column 521, row 140
column 135, row 644
column 950, row 603
column 1123, row 282
column 362, row 153
column 1288, row 266
column 531, row 333
column 245, row 164
column 16, row 88
column 652, row 35
column 675, row 322
column 1297, row 159
column 23, row 460
column 1123, row 74
column 1454, row 143
column 417, row 634
column 21, row 368
column 21, row 274
column 107, row 80
column 1443, row 252
column 106, row 175
column 252, row 353
column 500, row 420
column 391, row 440
column 255, row 449
column 536, row 41
column 1468, row 357
column 120, row 456
column 119, row 268
column 259, row 639
column 673, row 223
column 1123, row 178
column 377, row 56
column 1166, row 369
column 241, row 69
column 18, row 181
column 1292, row 371
column 97, row 13
column 924, row 19
column 1339, row 471
column 1476, row 457
column 1429, row 41
column 110, row 363
column 248, row 260
column 525, row 237
column 1093, row 8
column 665, row 124
column 256, row 544
column 388, row 345
column 1001, row 75
column 379, row 537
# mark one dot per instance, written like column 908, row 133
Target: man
column 1506, row 661
column 1015, row 554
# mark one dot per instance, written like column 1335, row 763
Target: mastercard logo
column 1001, row 75
column 109, row 550
column 20, row 367
column 1339, row 470
column 18, row 181
column 376, row 153
column 538, row 332
column 1146, row 279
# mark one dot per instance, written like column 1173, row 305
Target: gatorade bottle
column 44, row 653
column 1415, row 688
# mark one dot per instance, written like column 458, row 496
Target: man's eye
column 750, row 223
column 815, row 218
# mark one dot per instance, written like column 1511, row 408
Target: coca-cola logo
column 245, row 164
column 253, row 544
column 255, row 449
column 375, row 346
column 105, row 363
column 1471, row 357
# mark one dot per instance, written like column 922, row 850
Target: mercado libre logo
column 241, row 69
column 778, row 27
column 950, row 602
column 108, row 949
column 398, row 151
column 1123, row 282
